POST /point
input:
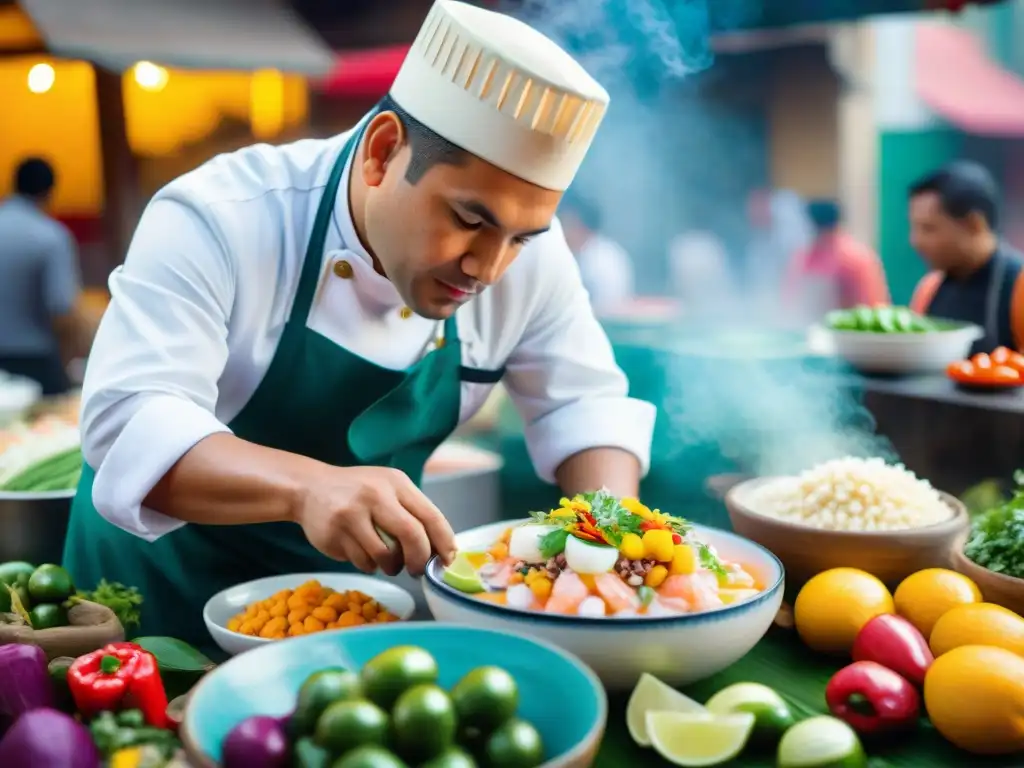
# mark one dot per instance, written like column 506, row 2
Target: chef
column 295, row 329
column 976, row 277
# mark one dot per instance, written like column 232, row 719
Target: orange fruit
column 834, row 605
column 923, row 597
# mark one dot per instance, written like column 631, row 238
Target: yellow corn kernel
column 656, row 576
column 632, row 547
column 541, row 588
column 684, row 560
column 658, row 545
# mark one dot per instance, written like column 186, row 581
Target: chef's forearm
column 595, row 468
column 224, row 480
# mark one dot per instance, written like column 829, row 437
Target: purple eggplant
column 256, row 742
column 45, row 738
column 24, row 680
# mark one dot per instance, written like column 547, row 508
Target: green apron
column 316, row 399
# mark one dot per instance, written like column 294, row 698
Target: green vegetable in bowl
column 996, row 541
column 880, row 320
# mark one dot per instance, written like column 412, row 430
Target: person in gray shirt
column 39, row 282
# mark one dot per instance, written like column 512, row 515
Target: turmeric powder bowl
column 258, row 612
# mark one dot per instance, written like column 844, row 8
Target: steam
column 682, row 164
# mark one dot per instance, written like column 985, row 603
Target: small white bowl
column 897, row 353
column 678, row 649
column 228, row 603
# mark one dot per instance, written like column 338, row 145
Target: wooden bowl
column 806, row 551
column 997, row 588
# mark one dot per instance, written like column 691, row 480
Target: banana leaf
column 783, row 663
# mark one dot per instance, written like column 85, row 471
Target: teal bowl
column 558, row 694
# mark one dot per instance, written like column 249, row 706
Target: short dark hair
column 963, row 188
column 427, row 147
column 825, row 214
column 34, row 178
column 585, row 210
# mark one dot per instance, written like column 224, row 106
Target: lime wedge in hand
column 695, row 739
column 821, row 742
column 771, row 713
column 652, row 695
column 461, row 575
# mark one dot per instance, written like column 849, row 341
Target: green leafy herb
column 996, row 541
column 709, row 560
column 552, row 544
column 125, row 602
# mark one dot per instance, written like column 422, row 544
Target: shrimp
column 698, row 590
column 497, row 575
column 567, row 593
column 617, row 593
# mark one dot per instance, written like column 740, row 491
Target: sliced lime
column 461, row 575
column 821, row 742
column 697, row 739
column 771, row 713
column 652, row 695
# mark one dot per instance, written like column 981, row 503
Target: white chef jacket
column 199, row 305
column 607, row 272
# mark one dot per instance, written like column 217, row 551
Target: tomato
column 1003, row 374
column 1016, row 360
column 1000, row 356
column 982, row 361
column 963, row 371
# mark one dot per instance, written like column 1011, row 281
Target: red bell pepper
column 872, row 698
column 119, row 676
column 894, row 642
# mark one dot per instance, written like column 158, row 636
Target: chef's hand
column 342, row 513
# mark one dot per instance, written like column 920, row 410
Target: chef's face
column 941, row 240
column 451, row 233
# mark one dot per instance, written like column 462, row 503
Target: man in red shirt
column 836, row 272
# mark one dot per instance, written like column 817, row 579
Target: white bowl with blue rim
column 677, row 649
column 228, row 603
column 266, row 681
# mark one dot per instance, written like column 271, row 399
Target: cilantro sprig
column 996, row 540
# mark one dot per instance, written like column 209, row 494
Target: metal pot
column 464, row 482
column 33, row 525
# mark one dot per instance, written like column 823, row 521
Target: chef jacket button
column 405, row 313
column 343, row 269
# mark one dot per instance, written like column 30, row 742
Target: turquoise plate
column 557, row 693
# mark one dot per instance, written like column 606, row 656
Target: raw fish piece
column 617, row 593
column 497, row 575
column 567, row 593
column 699, row 590
column 521, row 597
column 593, row 608
column 667, row 606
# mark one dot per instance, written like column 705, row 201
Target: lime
column 772, row 716
column 368, row 757
column 821, row 742
column 346, row 725
column 320, row 690
column 652, row 695
column 423, row 722
column 694, row 739
column 515, row 744
column 485, row 698
column 451, row 758
column 307, row 754
column 48, row 616
column 388, row 675
column 50, row 584
column 9, row 572
column 461, row 575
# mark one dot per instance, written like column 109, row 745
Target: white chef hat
column 502, row 91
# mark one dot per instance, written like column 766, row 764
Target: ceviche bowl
column 676, row 643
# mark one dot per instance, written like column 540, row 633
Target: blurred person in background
column 605, row 266
column 835, row 272
column 700, row 274
column 39, row 283
column 976, row 277
column 297, row 328
column 780, row 228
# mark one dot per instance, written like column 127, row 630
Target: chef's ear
column 384, row 137
column 976, row 222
